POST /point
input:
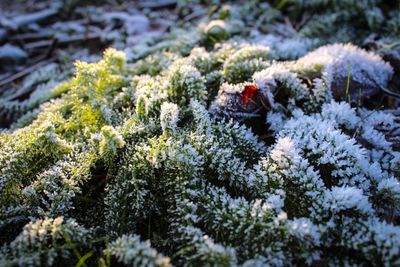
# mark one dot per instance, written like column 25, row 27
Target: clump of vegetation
column 217, row 156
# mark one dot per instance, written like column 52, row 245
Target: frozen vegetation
column 240, row 140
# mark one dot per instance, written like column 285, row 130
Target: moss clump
column 129, row 151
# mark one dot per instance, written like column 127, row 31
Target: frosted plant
column 209, row 64
column 199, row 144
column 153, row 64
column 287, row 88
column 277, row 87
column 367, row 72
column 43, row 242
column 126, row 192
column 184, row 82
column 13, row 109
column 347, row 198
column 169, row 116
column 339, row 158
column 41, row 144
column 111, row 141
column 341, row 114
column 130, row 251
column 45, row 82
column 288, row 172
column 371, row 129
column 194, row 244
column 286, row 48
column 373, row 238
column 340, row 21
column 216, row 30
column 387, row 198
column 224, row 146
column 376, row 127
column 148, row 96
column 250, row 218
column 242, row 64
column 53, row 191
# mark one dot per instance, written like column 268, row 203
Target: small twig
column 383, row 89
column 304, row 20
column 158, row 4
column 289, row 23
column 52, row 47
column 26, row 19
column 72, row 39
column 195, row 14
column 30, row 36
column 358, row 129
column 25, row 72
column 21, row 91
column 388, row 92
column 260, row 20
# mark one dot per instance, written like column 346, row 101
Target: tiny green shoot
column 348, row 83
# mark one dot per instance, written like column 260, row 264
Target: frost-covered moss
column 212, row 152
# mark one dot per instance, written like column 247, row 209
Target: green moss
column 132, row 152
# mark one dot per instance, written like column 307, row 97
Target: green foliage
column 131, row 154
column 110, row 142
column 340, row 21
column 131, row 251
column 43, row 243
column 240, row 66
column 184, row 82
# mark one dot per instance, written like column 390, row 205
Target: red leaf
column 250, row 91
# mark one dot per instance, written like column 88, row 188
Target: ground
column 199, row 133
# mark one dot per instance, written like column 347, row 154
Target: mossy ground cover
column 226, row 143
